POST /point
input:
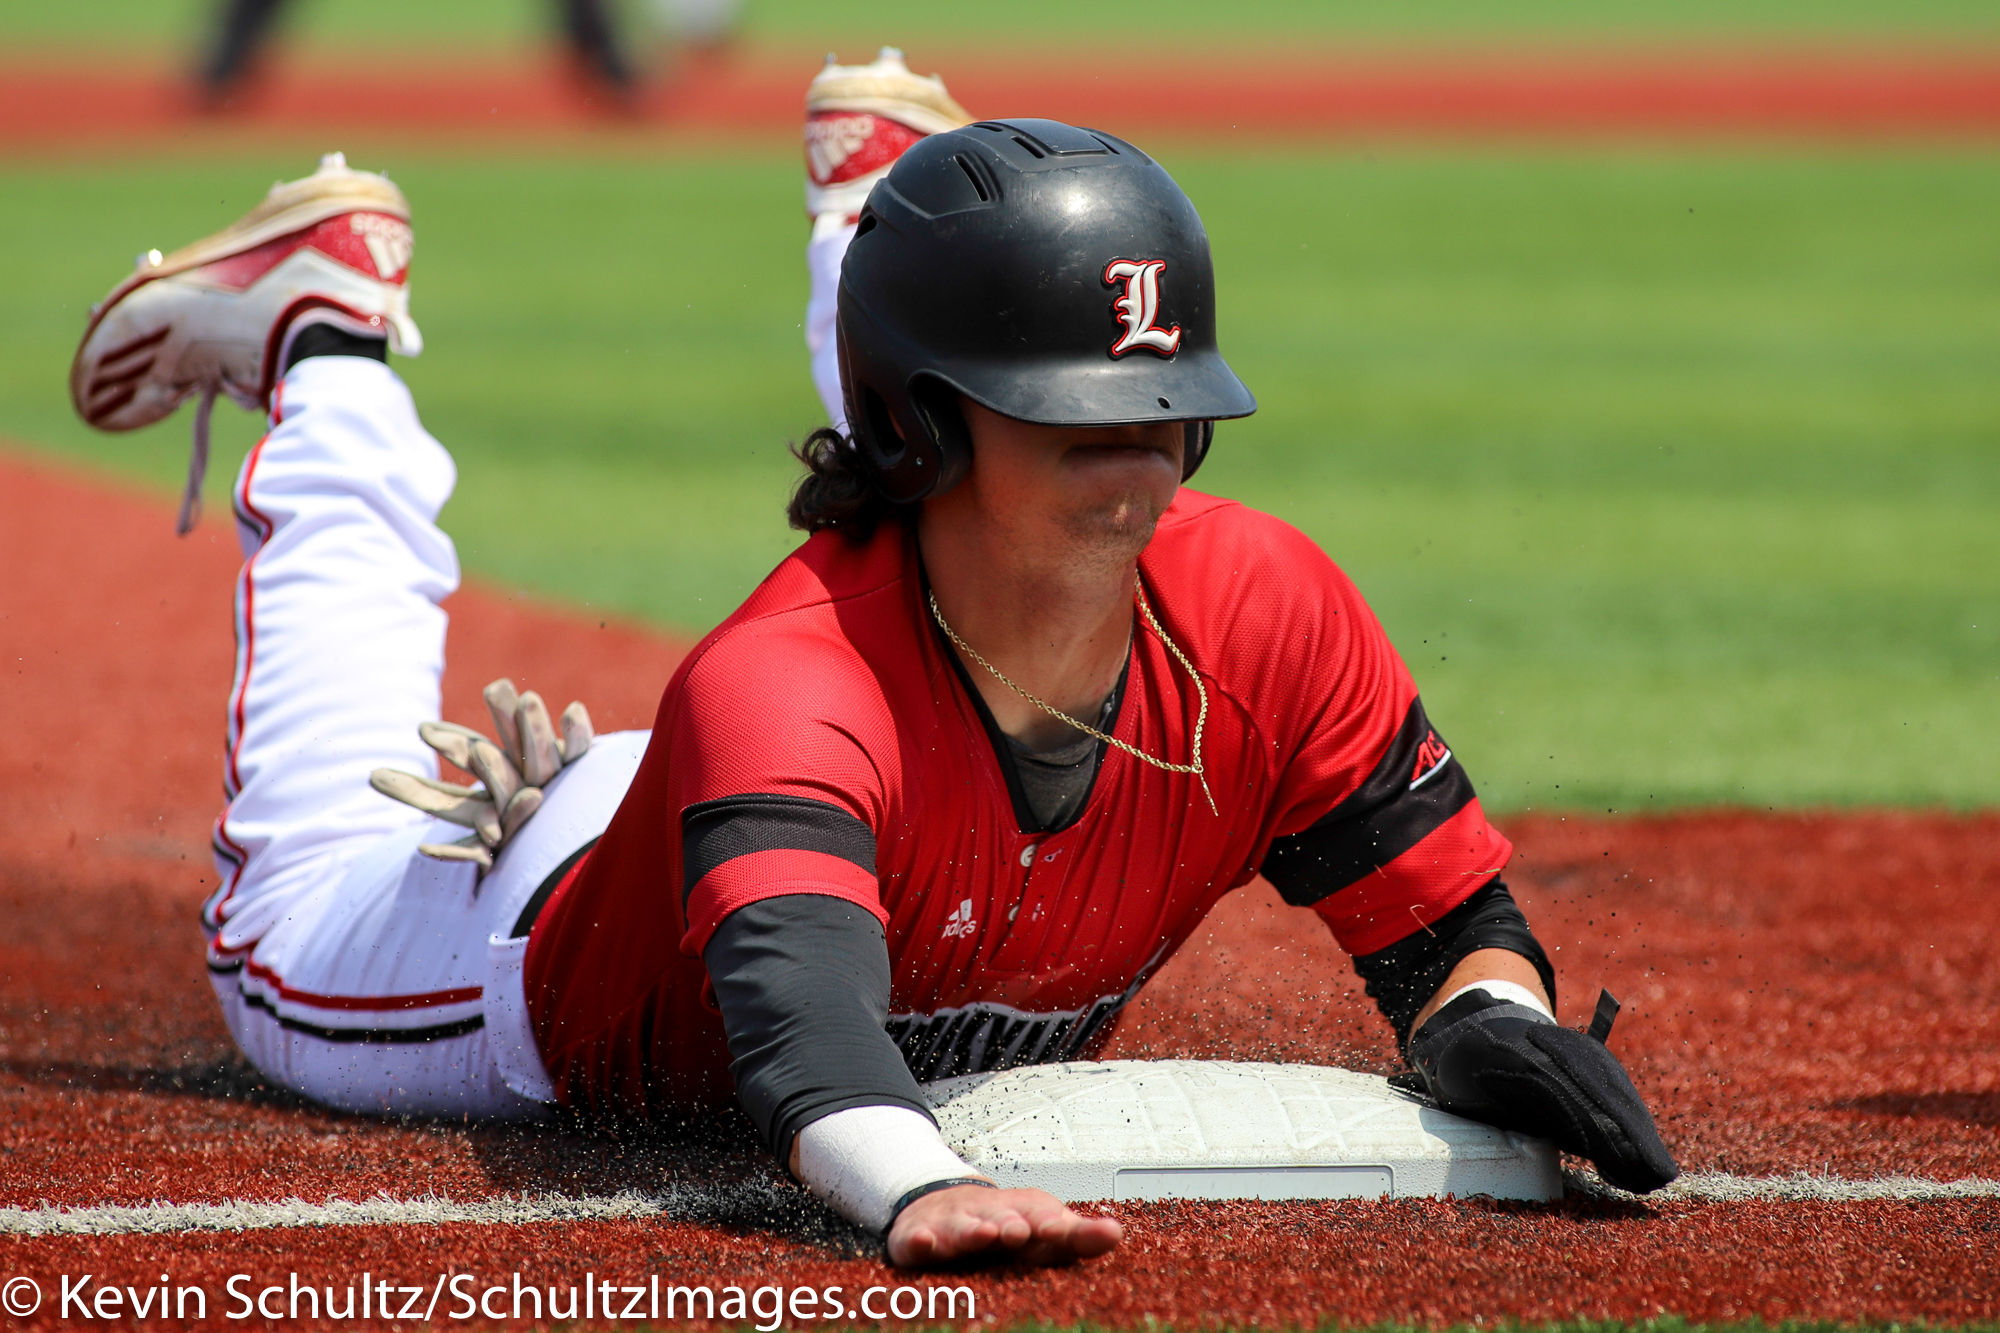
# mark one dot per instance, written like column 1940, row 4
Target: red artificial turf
column 117, row 653
column 1208, row 1265
column 1803, row 992
column 48, row 99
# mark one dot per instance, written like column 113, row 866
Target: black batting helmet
column 1053, row 274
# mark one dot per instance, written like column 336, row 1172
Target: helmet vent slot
column 866, row 225
column 1044, row 139
column 972, row 174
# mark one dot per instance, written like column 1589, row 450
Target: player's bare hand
column 1028, row 1226
column 511, row 773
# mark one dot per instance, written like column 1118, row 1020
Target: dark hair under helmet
column 1052, row 274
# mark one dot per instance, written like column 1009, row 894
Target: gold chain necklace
column 1201, row 720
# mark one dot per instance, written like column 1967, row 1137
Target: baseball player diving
column 938, row 798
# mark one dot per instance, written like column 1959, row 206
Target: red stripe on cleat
column 103, row 382
column 99, row 411
column 137, row 344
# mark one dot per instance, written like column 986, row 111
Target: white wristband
column 862, row 1160
column 1511, row 992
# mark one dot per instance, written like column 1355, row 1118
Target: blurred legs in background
column 242, row 26
column 701, row 24
column 592, row 38
column 828, row 246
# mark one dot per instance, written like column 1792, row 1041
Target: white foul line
column 1798, row 1187
column 511, row 1210
column 1802, row 1187
column 170, row 1218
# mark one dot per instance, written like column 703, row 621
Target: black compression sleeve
column 1402, row 978
column 803, row 982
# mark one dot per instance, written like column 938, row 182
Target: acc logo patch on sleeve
column 1415, row 789
column 1432, row 756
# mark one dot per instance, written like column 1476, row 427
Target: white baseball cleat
column 860, row 119
column 217, row 316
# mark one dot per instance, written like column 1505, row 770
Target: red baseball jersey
column 829, row 703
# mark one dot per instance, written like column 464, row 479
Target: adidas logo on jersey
column 960, row 921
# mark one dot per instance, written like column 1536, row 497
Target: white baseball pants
column 830, row 236
column 351, row 968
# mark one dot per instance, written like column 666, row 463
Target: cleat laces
column 197, row 462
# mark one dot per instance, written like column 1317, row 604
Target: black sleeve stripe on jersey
column 1402, row 978
column 713, row 832
column 1413, row 790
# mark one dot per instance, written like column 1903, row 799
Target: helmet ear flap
column 871, row 422
column 1200, row 434
column 874, row 432
column 936, row 405
column 912, row 439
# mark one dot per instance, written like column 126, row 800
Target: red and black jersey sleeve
column 737, row 849
column 1397, row 853
column 779, row 761
column 1374, row 823
column 1417, row 792
column 1415, row 788
column 781, row 773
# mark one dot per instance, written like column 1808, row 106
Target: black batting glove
column 1515, row 1068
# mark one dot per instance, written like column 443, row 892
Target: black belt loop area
column 525, row 922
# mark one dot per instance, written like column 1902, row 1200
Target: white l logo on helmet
column 1140, row 306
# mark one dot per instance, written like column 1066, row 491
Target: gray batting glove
column 512, row 773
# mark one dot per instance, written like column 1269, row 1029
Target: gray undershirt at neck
column 1057, row 782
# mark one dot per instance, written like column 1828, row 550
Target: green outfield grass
column 1675, row 474
column 374, row 24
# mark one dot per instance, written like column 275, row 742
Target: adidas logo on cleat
column 389, row 240
column 831, row 140
column 848, row 147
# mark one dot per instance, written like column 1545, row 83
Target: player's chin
column 1124, row 467
column 1121, row 515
